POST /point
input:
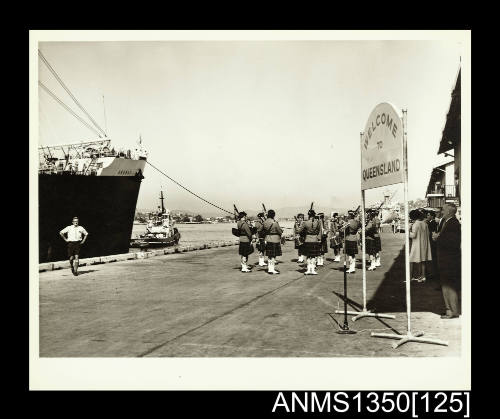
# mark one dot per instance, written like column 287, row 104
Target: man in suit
column 439, row 219
column 449, row 259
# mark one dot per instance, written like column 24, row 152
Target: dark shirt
column 432, row 228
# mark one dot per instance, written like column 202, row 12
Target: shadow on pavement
column 354, row 306
column 87, row 271
column 390, row 296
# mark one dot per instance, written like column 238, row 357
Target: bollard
column 42, row 267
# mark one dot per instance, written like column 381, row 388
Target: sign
column 382, row 148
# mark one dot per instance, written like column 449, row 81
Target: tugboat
column 160, row 230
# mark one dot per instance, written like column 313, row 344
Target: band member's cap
column 335, row 214
column 321, row 214
column 260, row 214
column 242, row 214
column 300, row 215
column 311, row 213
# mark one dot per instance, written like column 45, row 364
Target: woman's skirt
column 370, row 247
column 245, row 249
column 377, row 244
column 311, row 249
column 273, row 250
column 351, row 247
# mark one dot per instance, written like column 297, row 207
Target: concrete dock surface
column 199, row 304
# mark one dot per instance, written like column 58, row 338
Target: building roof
column 452, row 133
column 436, row 174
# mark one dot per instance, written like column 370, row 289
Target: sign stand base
column 346, row 332
column 366, row 313
column 344, row 329
column 409, row 337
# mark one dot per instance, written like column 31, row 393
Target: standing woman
column 273, row 241
column 420, row 252
column 245, row 249
column 312, row 230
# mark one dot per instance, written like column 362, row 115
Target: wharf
column 198, row 304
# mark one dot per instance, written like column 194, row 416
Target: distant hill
column 285, row 212
column 289, row 212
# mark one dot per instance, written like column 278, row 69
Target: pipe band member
column 324, row 239
column 245, row 248
column 273, row 233
column 312, row 243
column 335, row 242
column 74, row 233
column 378, row 242
column 299, row 238
column 351, row 240
column 370, row 231
column 261, row 238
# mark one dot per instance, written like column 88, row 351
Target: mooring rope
column 186, row 189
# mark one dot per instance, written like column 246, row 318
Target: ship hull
column 105, row 206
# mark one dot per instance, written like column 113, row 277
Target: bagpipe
column 236, row 231
column 345, row 227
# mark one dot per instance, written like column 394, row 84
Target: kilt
column 261, row 245
column 378, row 244
column 245, row 249
column 324, row 245
column 311, row 249
column 273, row 250
column 370, row 247
column 351, row 247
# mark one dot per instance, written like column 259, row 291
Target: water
column 197, row 234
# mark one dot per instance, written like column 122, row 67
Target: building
column 444, row 183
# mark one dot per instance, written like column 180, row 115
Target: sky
column 248, row 122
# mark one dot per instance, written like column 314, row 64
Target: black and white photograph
column 249, row 209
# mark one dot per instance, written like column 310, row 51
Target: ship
column 94, row 182
column 387, row 209
column 91, row 180
column 160, row 230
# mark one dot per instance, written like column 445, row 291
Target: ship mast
column 161, row 199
